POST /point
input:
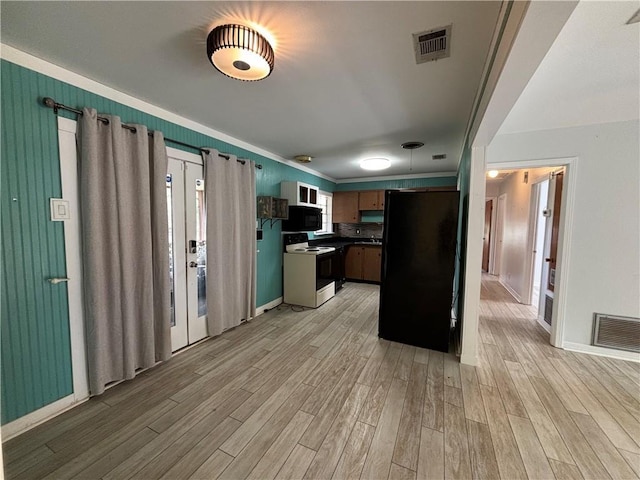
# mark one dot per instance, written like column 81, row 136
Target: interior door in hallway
column 486, row 239
column 187, row 247
column 555, row 230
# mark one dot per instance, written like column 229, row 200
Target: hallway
column 575, row 415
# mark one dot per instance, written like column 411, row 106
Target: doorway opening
column 523, row 208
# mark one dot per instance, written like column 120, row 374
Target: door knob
column 193, row 264
column 549, row 259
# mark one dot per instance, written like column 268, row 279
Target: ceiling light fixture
column 303, row 158
column 492, row 173
column 240, row 52
column 375, row 163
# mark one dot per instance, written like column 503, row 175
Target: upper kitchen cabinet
column 371, row 200
column 298, row 193
column 345, row 207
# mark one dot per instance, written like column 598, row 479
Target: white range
column 309, row 271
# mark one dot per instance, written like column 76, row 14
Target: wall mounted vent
column 614, row 331
column 440, row 156
column 432, row 44
column 548, row 309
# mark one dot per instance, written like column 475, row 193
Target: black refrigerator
column 418, row 262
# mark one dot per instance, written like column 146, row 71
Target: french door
column 187, row 248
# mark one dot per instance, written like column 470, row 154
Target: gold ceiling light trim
column 303, row 158
column 240, row 52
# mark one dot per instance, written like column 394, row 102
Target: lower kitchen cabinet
column 363, row 263
column 371, row 264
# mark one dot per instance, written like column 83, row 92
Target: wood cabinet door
column 345, row 207
column 353, row 263
column 372, row 263
column 369, row 200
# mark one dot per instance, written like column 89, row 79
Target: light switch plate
column 59, row 209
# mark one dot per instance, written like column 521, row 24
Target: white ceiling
column 345, row 84
column 590, row 75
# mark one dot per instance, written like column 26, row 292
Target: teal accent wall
column 402, row 183
column 34, row 331
column 36, row 352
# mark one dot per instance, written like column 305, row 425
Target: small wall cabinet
column 298, row 193
column 371, row 200
column 345, row 207
column 271, row 208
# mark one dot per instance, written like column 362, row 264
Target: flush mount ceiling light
column 492, row 173
column 375, row 163
column 240, row 52
column 303, row 158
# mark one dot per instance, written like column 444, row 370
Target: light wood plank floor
column 317, row 395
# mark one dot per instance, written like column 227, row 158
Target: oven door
column 326, row 269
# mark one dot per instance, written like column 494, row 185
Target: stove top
column 298, row 243
column 303, row 249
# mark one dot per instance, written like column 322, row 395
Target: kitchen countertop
column 344, row 242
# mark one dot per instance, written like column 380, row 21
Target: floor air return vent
column 613, row 331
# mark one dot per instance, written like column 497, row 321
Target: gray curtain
column 124, row 249
column 230, row 196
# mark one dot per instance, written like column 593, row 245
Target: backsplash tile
column 367, row 230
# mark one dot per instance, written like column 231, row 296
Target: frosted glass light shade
column 375, row 163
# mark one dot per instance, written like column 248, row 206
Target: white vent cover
column 614, row 331
column 432, row 44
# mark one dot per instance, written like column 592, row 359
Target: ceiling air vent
column 439, row 156
column 432, row 44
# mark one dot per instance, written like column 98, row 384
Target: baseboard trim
column 37, row 417
column 544, row 324
column 601, row 351
column 510, row 290
column 268, row 306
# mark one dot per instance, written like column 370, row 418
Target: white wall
column 516, row 250
column 604, row 250
column 492, row 189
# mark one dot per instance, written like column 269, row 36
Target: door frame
column 73, row 251
column 570, row 164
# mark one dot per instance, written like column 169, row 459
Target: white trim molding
column 268, row 306
column 602, row 352
column 508, row 288
column 39, row 65
column 396, row 177
column 37, row 417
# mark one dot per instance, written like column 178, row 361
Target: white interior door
column 187, row 241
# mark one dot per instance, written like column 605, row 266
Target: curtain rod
column 51, row 103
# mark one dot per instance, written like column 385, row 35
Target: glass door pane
column 201, row 239
column 195, row 225
column 177, row 259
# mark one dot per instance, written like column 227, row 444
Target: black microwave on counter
column 302, row 219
